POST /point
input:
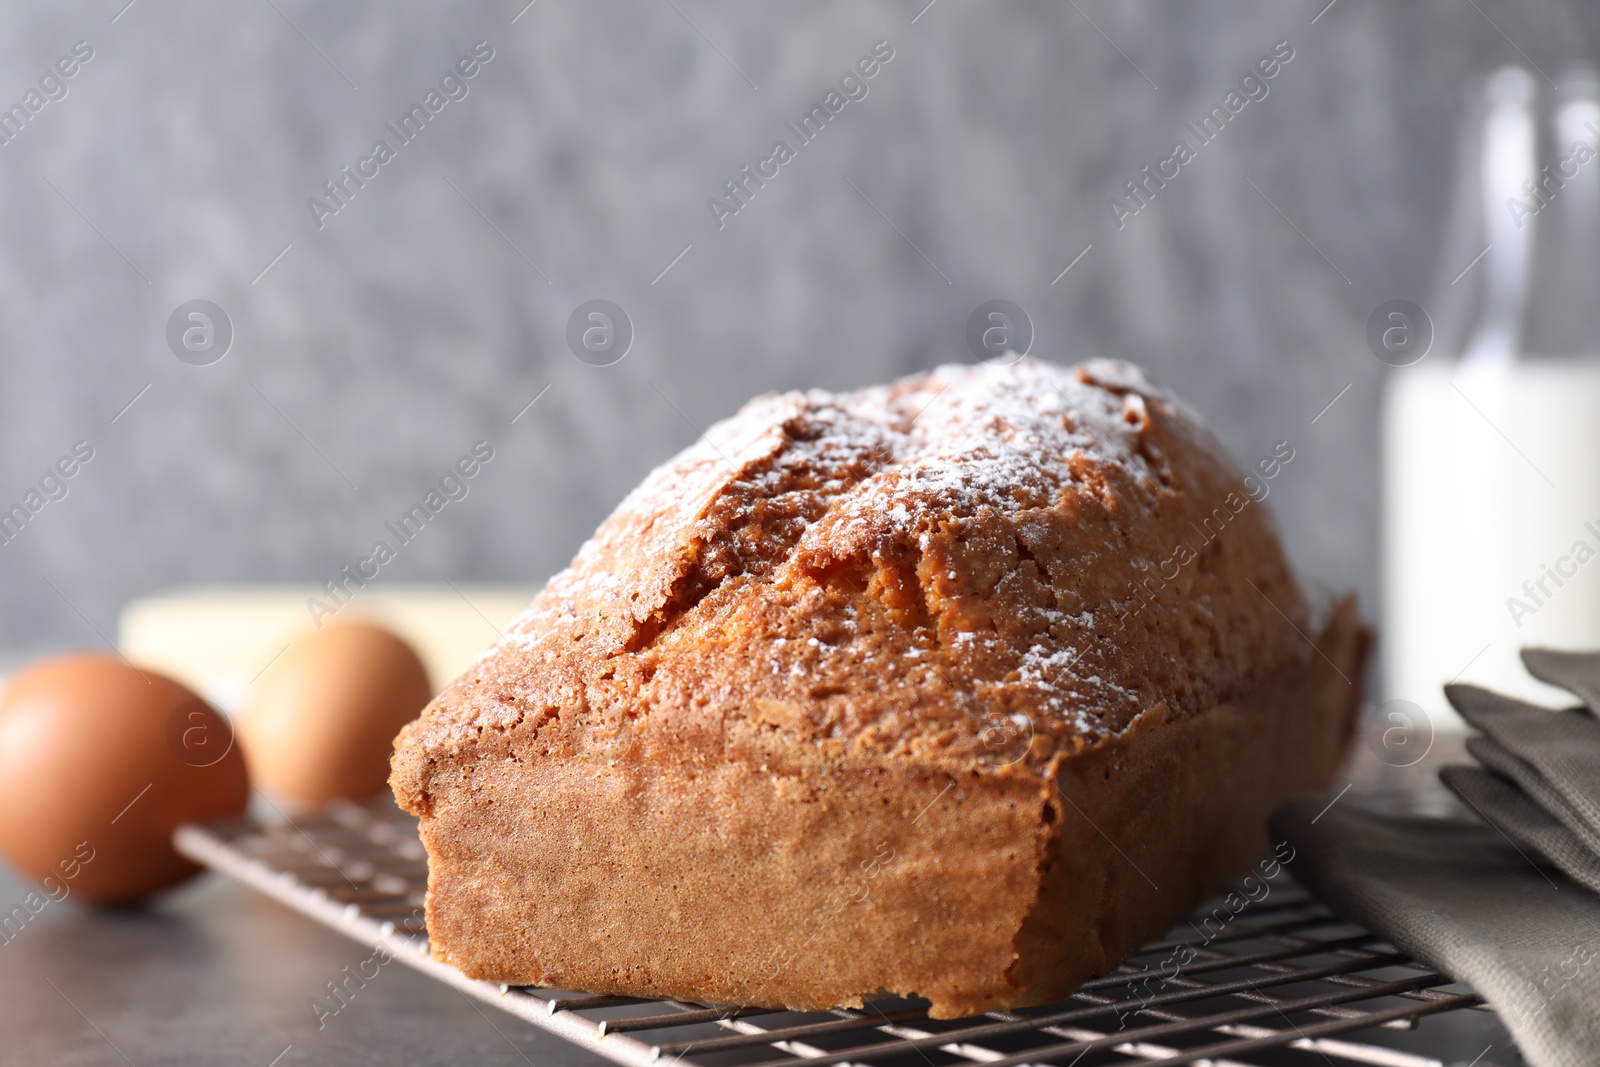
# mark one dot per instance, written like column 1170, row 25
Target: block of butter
column 218, row 639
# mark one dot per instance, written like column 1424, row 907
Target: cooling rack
column 1282, row 982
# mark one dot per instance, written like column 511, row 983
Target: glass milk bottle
column 1491, row 529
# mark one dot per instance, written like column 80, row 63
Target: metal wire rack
column 1282, row 982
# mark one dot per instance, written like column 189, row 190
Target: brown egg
column 322, row 720
column 99, row 762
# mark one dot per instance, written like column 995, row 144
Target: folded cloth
column 1487, row 903
column 1576, row 672
column 1463, row 899
column 1560, row 750
column 1533, row 788
column 1527, row 825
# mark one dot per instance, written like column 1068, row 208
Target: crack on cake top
column 982, row 524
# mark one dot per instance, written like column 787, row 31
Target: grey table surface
column 212, row 973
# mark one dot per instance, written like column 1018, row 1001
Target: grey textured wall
column 426, row 313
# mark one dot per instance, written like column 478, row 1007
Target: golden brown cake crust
column 866, row 644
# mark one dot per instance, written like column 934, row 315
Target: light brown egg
column 99, row 762
column 321, row 722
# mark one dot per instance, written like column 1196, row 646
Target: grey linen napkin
column 1462, row 899
column 1524, row 823
column 1553, row 755
column 1487, row 902
column 1576, row 672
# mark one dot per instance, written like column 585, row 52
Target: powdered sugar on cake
column 883, row 498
